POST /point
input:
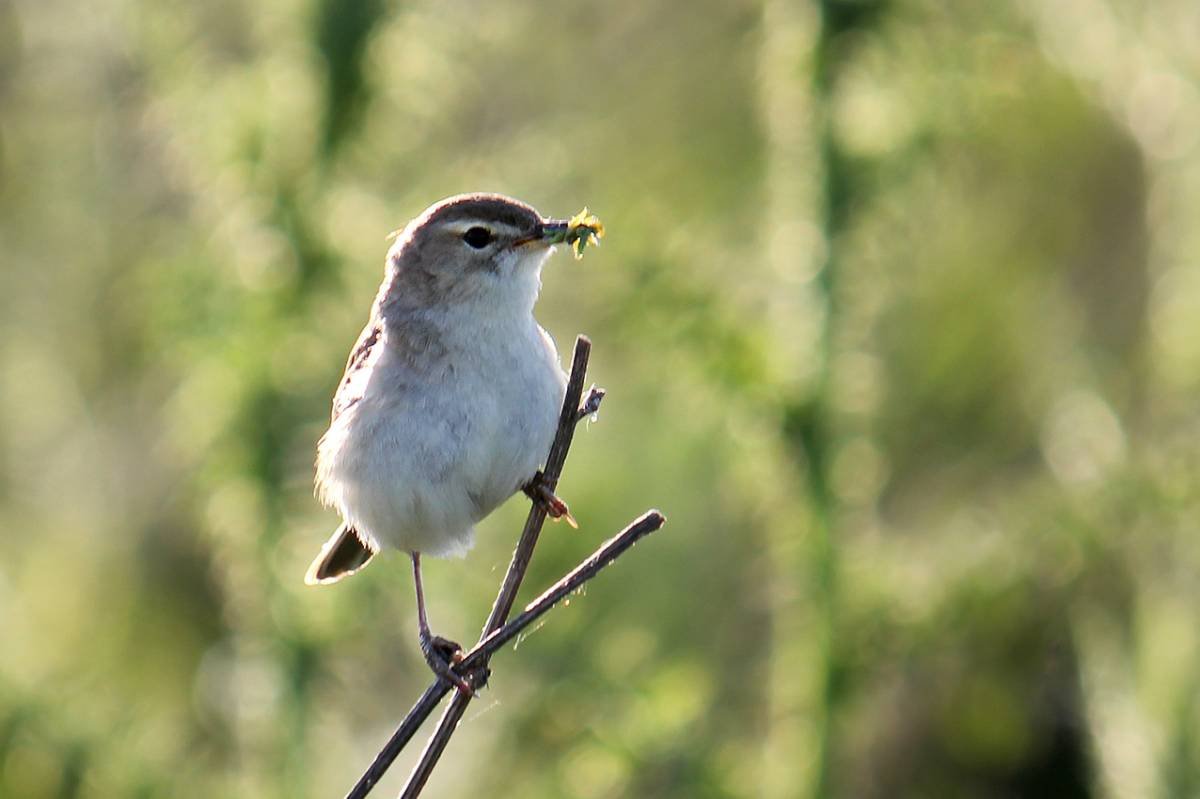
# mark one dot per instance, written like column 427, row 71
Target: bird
column 450, row 397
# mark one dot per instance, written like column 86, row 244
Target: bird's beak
column 580, row 231
column 554, row 231
column 548, row 232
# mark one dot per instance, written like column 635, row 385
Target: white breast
column 425, row 455
column 518, row 387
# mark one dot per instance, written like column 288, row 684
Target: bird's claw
column 442, row 655
column 537, row 490
column 591, row 404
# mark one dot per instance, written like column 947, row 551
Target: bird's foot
column 537, row 490
column 442, row 655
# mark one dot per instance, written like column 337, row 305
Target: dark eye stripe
column 478, row 237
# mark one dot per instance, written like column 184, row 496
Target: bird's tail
column 343, row 554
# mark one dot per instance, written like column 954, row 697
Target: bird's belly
column 395, row 472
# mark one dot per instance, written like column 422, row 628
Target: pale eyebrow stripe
column 463, row 225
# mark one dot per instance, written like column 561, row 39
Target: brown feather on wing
column 370, row 336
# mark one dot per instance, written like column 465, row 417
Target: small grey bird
column 450, row 397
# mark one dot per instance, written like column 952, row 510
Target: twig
column 495, row 634
column 610, row 550
column 478, row 657
column 400, row 738
column 479, row 654
column 568, row 418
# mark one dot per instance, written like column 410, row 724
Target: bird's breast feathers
column 418, row 452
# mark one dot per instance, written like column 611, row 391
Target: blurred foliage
column 899, row 312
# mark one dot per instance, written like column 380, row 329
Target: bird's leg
column 440, row 653
column 537, row 490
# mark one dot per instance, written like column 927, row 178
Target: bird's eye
column 478, row 237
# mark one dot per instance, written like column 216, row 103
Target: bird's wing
column 350, row 388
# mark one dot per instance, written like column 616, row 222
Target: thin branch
column 400, row 738
column 479, row 655
column 474, row 665
column 610, row 550
column 568, row 418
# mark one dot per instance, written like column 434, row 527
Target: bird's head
column 474, row 247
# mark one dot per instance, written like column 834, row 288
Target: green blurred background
column 899, row 313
